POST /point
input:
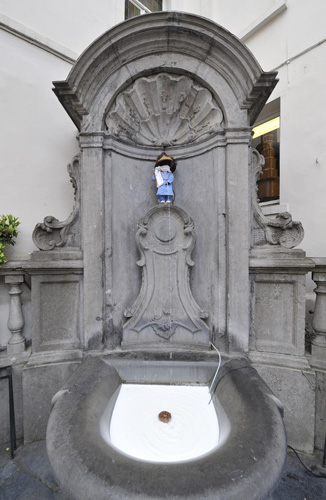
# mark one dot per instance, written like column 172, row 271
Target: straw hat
column 164, row 159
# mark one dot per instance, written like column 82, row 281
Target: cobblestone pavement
column 29, row 477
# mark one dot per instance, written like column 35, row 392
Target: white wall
column 303, row 132
column 291, row 43
column 73, row 24
column 200, row 7
column 236, row 15
column 38, row 137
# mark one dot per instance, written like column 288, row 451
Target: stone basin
column 247, row 464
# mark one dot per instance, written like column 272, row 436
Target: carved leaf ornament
column 164, row 110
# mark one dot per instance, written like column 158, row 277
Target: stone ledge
column 49, row 357
column 53, row 261
column 282, row 360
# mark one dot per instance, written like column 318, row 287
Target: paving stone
column 297, row 483
column 34, row 458
column 25, row 486
column 7, row 471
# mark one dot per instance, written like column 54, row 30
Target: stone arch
column 173, row 42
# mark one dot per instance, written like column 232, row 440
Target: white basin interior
column 135, row 429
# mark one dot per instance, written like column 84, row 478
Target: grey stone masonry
column 165, row 313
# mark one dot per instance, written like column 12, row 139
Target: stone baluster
column 16, row 321
column 319, row 319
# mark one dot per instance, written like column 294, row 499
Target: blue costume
column 163, row 175
column 164, row 191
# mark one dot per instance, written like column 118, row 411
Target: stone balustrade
column 14, row 278
column 318, row 348
column 60, row 270
column 16, row 321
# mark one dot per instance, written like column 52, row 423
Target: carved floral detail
column 51, row 232
column 164, row 110
column 282, row 230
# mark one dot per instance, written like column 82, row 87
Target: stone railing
column 54, row 279
column 14, row 276
column 318, row 347
column 15, row 273
column 16, row 321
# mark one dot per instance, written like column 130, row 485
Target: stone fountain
column 121, row 268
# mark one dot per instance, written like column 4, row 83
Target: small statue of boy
column 163, row 175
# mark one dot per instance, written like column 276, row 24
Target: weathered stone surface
column 167, row 35
column 130, row 194
column 320, row 432
column 280, row 230
column 165, row 313
column 163, row 110
column 278, row 300
column 56, row 311
column 247, row 464
column 318, row 345
column 40, row 383
column 52, row 233
column 295, row 388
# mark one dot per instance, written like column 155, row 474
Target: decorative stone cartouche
column 165, row 312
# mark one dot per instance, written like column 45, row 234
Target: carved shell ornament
column 164, row 110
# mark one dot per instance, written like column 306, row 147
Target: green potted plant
column 8, row 233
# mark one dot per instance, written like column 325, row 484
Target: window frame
column 143, row 9
column 271, row 111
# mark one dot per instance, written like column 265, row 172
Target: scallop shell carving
column 163, row 110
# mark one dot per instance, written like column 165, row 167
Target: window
column 135, row 8
column 266, row 140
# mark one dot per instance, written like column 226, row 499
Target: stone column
column 16, row 321
column 318, row 348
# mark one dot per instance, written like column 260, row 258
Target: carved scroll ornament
column 164, row 110
column 51, row 232
column 282, row 230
